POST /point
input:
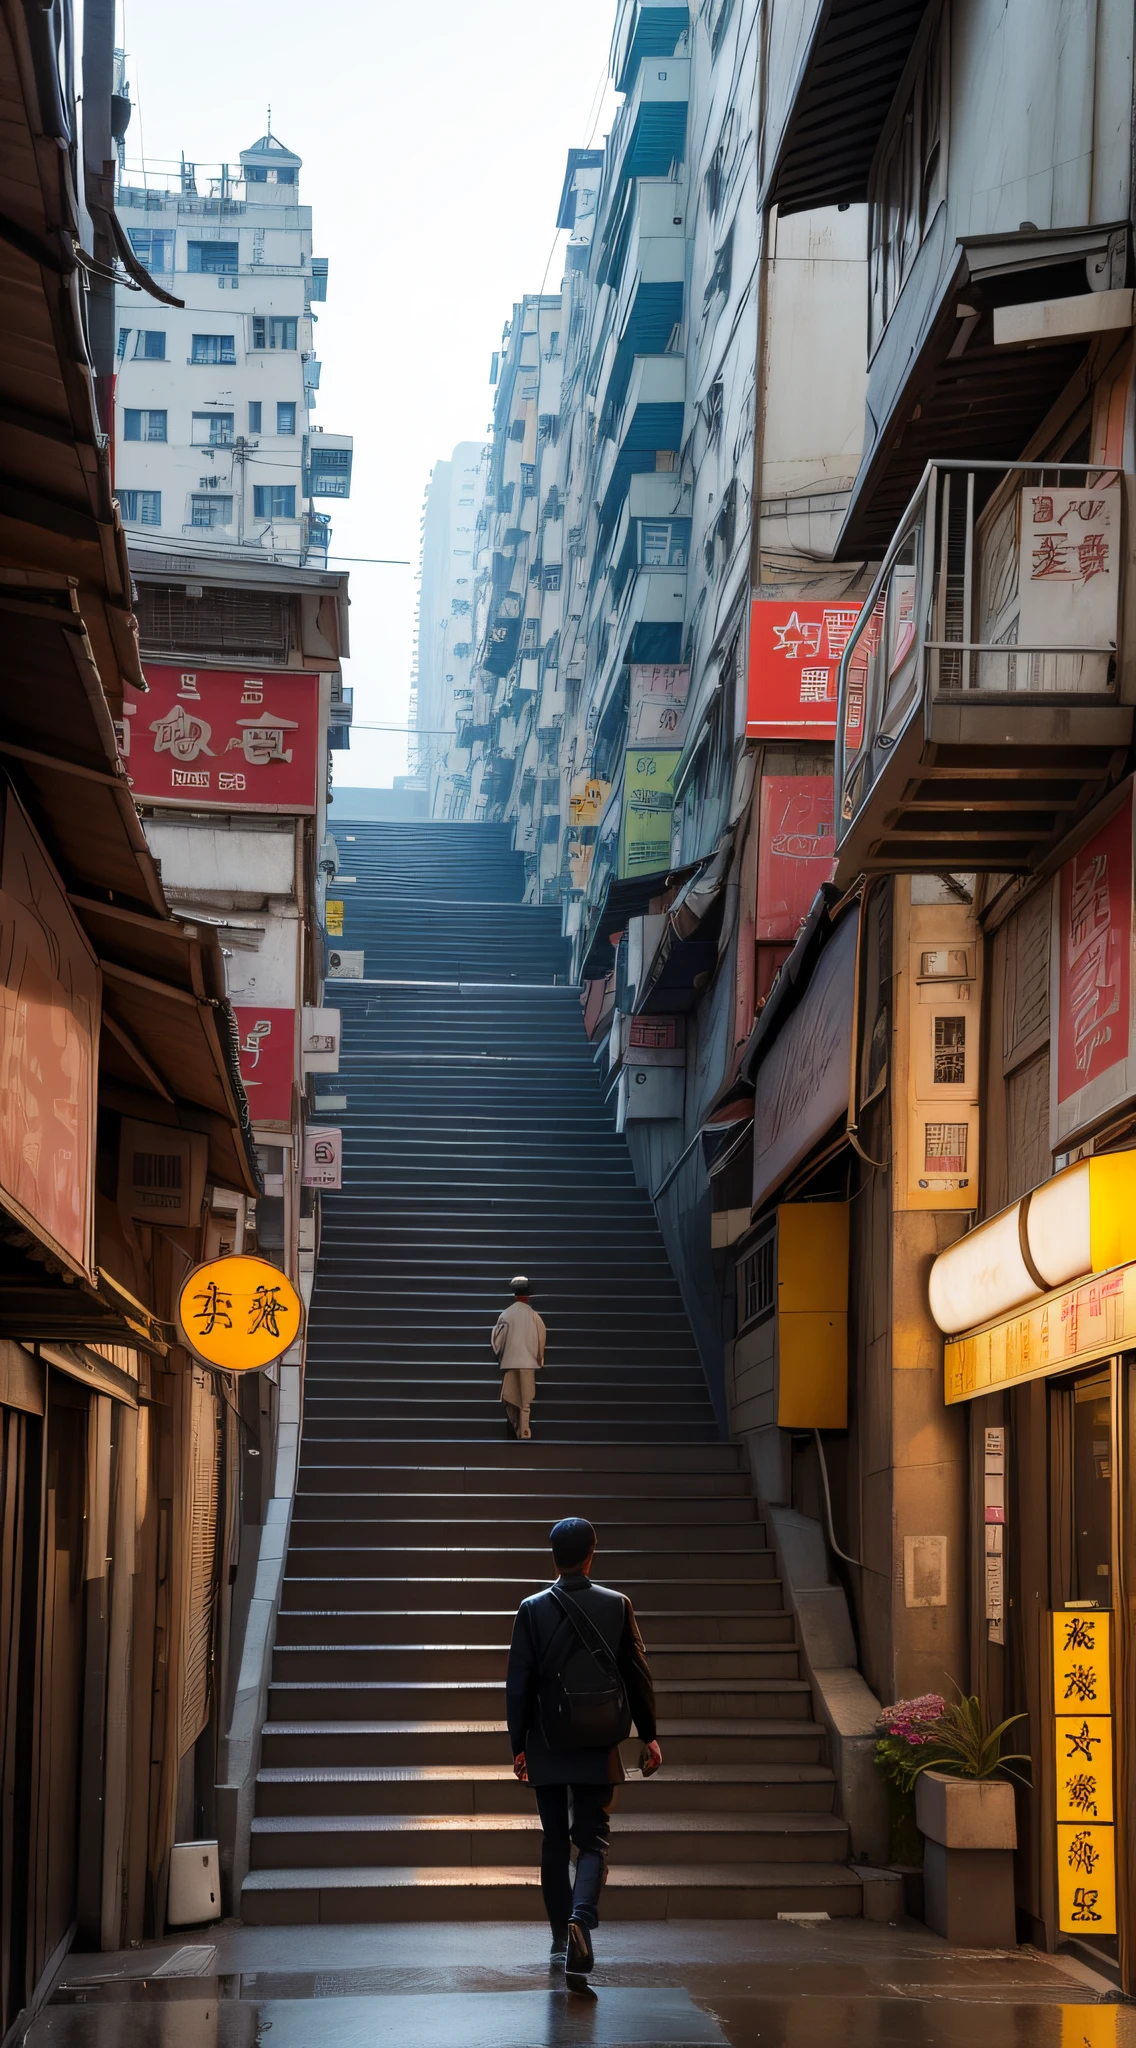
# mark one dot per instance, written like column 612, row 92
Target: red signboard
column 223, row 737
column 268, row 1061
column 795, row 645
column 1094, row 966
column 796, row 850
column 50, row 1007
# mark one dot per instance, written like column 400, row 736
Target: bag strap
column 584, row 1627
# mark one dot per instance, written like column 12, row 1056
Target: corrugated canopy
column 841, row 100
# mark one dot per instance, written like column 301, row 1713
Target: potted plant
column 964, row 1808
column 903, row 1731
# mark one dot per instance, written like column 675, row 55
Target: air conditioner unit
column 161, row 1174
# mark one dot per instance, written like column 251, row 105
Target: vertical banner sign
column 796, row 851
column 995, row 1524
column 648, row 801
column 333, row 918
column 1083, row 1750
column 795, row 645
column 267, row 1040
column 1094, row 975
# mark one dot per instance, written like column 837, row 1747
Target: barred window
column 757, row 1282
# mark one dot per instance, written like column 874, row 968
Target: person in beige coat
column 518, row 1340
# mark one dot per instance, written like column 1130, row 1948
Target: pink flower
column 912, row 1720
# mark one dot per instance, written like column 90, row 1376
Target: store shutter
column 1028, row 1160
column 201, row 1563
column 1026, row 1006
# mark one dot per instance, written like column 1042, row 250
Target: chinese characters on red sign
column 268, row 1060
column 1094, row 1018
column 795, row 646
column 796, row 851
column 211, row 737
column 1068, row 566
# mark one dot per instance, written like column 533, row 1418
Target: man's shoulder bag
column 588, row 1709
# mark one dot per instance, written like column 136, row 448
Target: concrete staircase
column 477, row 1144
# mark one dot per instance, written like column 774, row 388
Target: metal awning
column 946, row 391
column 841, row 100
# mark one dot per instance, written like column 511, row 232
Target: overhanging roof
column 840, row 101
column 956, row 394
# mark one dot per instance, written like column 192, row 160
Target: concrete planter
column 968, row 1862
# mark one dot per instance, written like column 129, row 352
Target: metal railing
column 1002, row 583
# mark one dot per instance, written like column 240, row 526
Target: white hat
column 519, row 1283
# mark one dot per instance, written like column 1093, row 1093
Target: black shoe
column 580, row 1957
column 558, row 1953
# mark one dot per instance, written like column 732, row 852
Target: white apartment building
column 441, row 688
column 214, row 435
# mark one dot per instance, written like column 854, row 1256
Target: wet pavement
column 657, row 1984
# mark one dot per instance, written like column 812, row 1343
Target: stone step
column 401, row 1742
column 362, row 1894
column 316, row 1662
column 740, row 1596
column 473, row 1626
column 503, row 1538
column 428, row 1698
column 492, row 1788
column 323, row 1841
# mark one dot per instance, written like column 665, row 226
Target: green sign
column 648, row 800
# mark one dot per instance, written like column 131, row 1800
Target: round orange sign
column 239, row 1313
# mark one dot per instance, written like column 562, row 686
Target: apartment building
column 846, row 447
column 217, row 386
column 441, row 687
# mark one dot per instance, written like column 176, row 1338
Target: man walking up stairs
column 476, row 1143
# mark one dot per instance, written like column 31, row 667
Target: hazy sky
column 434, row 138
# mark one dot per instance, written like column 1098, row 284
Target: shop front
column 1038, row 1309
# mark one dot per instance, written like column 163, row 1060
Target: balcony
column 649, row 133
column 650, row 424
column 979, row 708
column 644, row 28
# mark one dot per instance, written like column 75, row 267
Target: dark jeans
column 589, row 1827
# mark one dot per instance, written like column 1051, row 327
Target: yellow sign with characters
column 333, row 920
column 239, row 1313
column 1083, row 1746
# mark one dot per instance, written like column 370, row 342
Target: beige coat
column 518, row 1337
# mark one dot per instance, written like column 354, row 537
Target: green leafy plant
column 934, row 1734
column 964, row 1745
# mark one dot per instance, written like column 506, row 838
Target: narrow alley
column 392, row 1890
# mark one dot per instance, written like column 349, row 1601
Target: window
column 285, row 417
column 663, row 543
column 212, row 429
column 254, row 415
column 271, row 331
column 274, row 501
column 757, row 1279
column 906, row 186
column 144, row 426
column 550, row 576
column 256, row 174
column 329, row 471
column 215, row 259
column 150, row 345
column 210, row 511
column 286, row 174
column 123, row 338
column 155, row 248
column 214, row 348
column 141, row 508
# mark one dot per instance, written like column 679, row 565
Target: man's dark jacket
column 539, row 1624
